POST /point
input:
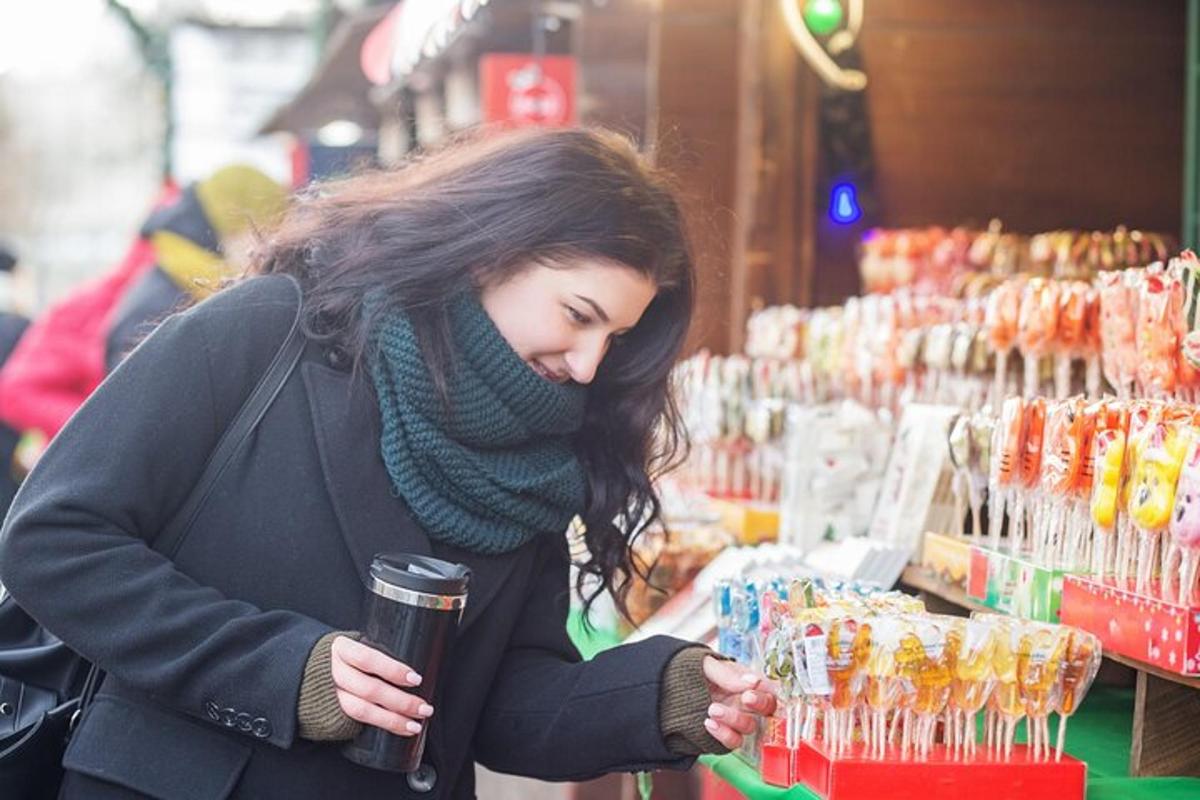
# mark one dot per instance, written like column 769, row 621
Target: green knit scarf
column 494, row 470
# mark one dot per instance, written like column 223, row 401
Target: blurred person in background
column 12, row 326
column 176, row 258
column 192, row 238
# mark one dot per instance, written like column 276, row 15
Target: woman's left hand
column 738, row 696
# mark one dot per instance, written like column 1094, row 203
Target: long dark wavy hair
column 476, row 212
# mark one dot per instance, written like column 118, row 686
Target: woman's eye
column 577, row 317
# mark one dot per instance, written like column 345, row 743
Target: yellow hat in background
column 238, row 196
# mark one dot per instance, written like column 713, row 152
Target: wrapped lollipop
column 909, row 658
column 1108, row 455
column 1080, row 663
column 1054, row 482
column 1003, row 311
column 1005, row 467
column 1030, row 471
column 982, row 431
column 1079, row 489
column 1185, row 523
column 884, row 690
column 1160, row 457
column 1142, row 416
column 1092, row 342
column 1070, row 333
column 848, row 649
column 932, row 681
column 1189, row 317
column 1037, row 325
column 959, row 445
column 973, row 678
column 1118, row 352
column 1009, row 704
column 1176, row 277
column 1039, row 658
column 1157, row 341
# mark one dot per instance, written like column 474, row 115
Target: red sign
column 520, row 89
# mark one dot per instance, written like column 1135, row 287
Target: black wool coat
column 205, row 653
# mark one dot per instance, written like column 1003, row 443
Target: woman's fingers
column 731, row 717
column 723, row 734
column 368, row 659
column 759, row 702
column 370, row 714
column 367, row 689
column 378, row 692
column 730, row 676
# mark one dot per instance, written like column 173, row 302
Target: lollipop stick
column 1062, row 736
column 1187, row 581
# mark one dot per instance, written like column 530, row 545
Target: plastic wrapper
column 1117, row 331
column 1157, row 341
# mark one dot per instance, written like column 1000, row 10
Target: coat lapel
column 372, row 519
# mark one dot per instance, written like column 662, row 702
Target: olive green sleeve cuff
column 320, row 715
column 683, row 704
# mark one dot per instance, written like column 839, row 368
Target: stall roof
column 338, row 89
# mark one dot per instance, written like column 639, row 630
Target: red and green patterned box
column 1140, row 626
column 1014, row 586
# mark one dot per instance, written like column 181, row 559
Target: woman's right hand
column 368, row 688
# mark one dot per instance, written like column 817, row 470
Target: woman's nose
column 584, row 359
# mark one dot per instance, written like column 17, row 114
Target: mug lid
column 421, row 573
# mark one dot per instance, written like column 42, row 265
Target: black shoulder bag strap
column 249, row 415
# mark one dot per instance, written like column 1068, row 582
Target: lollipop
column 1080, row 663
column 1152, row 500
column 959, row 442
column 1037, row 324
column 1092, row 342
column 1030, row 470
column 1003, row 311
column 1070, row 333
column 1038, row 660
column 982, row 430
column 1005, row 465
column 1118, row 352
column 1189, row 273
column 1157, row 341
column 909, row 658
column 931, row 679
column 1009, row 705
column 1185, row 522
column 1109, row 456
column 973, row 678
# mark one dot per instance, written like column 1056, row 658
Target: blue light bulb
column 843, row 205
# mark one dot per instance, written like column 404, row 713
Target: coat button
column 213, row 711
column 262, row 728
column 423, row 778
column 244, row 722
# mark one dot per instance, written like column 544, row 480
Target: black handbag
column 44, row 685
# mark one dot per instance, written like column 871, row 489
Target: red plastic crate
column 938, row 777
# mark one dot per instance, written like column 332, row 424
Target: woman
column 491, row 331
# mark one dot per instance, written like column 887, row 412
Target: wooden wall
column 1044, row 113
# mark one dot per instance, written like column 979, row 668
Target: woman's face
column 561, row 320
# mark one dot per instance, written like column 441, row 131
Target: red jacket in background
column 59, row 360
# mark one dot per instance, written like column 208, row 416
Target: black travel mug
column 413, row 609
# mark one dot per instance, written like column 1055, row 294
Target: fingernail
column 749, row 698
column 749, row 679
column 414, row 679
column 425, row 710
column 414, row 727
column 711, row 726
column 715, row 711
